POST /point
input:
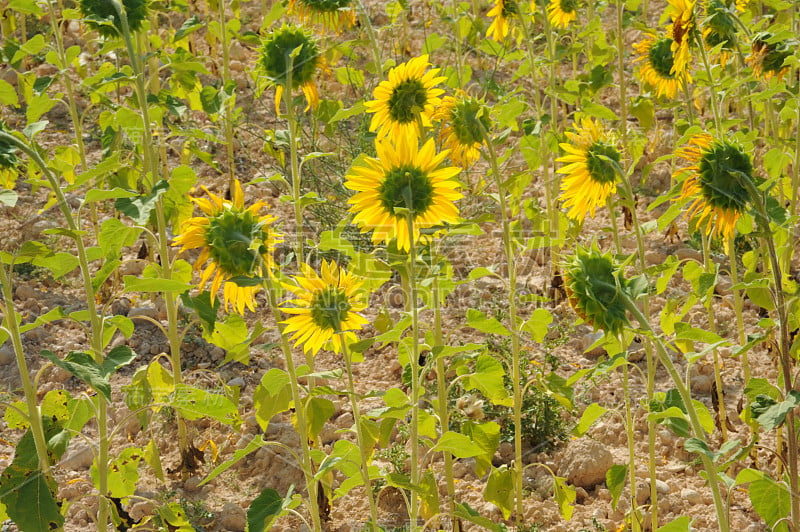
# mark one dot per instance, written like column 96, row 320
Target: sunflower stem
column 306, row 463
column 414, row 364
column 226, row 77
column 366, row 22
column 612, row 215
column 508, row 247
column 711, row 85
column 636, row 525
column 712, row 325
column 348, row 362
column 10, row 323
column 441, row 390
column 686, row 397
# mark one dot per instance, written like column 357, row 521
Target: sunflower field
column 399, row 265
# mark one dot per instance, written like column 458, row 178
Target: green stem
column 623, row 97
column 441, row 390
column 306, row 463
column 457, row 41
column 712, row 325
column 636, row 526
column 366, row 23
column 351, row 391
column 34, row 415
column 226, row 77
column 508, row 247
column 694, row 420
column 414, row 364
column 737, row 305
column 714, row 105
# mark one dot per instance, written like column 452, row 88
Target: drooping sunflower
column 336, row 15
column 405, row 102
column 501, row 14
column 713, row 184
column 325, row 308
column 278, row 55
column 767, row 57
column 8, row 162
column 719, row 28
column 594, row 286
column 591, row 170
column 561, row 12
column 95, row 11
column 681, row 12
column 408, row 177
column 657, row 67
column 465, row 122
column 235, row 242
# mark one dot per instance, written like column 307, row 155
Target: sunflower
column 337, row 15
column 594, row 285
column 561, row 12
column 658, row 66
column 237, row 243
column 767, row 57
column 465, row 122
column 97, row 12
column 591, row 169
column 325, row 308
column 405, row 102
column 682, row 14
column 713, row 183
column 403, row 176
column 501, row 13
column 719, row 28
column 278, row 54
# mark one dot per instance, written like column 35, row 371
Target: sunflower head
column 501, row 14
column 336, row 15
column 561, row 12
column 95, row 11
column 595, row 286
column 406, row 101
column 289, row 46
column 715, row 183
column 767, row 57
column 657, row 68
column 236, row 243
column 592, row 166
column 325, row 307
column 465, row 122
column 405, row 181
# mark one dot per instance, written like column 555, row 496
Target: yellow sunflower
column 591, row 170
column 237, row 243
column 682, row 14
column 405, row 102
column 465, row 122
column 561, row 12
column 403, row 176
column 713, row 184
column 325, row 308
column 336, row 15
column 502, row 12
column 657, row 67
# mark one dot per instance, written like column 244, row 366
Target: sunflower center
column 469, row 124
column 329, row 308
column 510, row 8
column 661, row 58
column 407, row 100
column 406, row 187
column 228, row 237
column 722, row 168
column 568, row 6
column 602, row 161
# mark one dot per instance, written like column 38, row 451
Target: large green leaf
column 499, row 490
column 458, row 445
column 272, row 396
column 771, row 501
column 140, row 207
column 488, row 377
column 82, row 366
column 264, row 510
column 194, row 403
column 479, row 321
column 615, row 480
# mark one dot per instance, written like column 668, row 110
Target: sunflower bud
column 287, row 49
column 96, row 11
column 465, row 122
column 595, row 289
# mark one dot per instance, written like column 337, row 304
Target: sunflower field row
column 456, row 265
